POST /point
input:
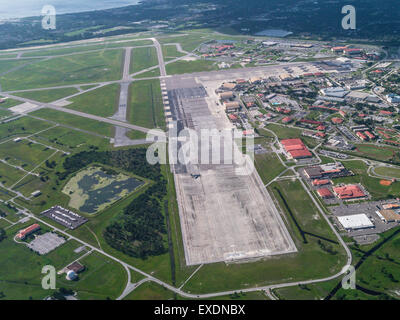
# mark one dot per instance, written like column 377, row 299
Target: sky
column 25, row 8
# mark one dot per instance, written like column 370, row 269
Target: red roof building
column 349, row 192
column 337, row 120
column 385, row 113
column 317, row 182
column 321, row 128
column 27, row 231
column 325, row 193
column 361, row 136
column 337, row 49
column 283, row 110
column 324, row 108
column 296, row 149
column 287, row 119
column 369, row 135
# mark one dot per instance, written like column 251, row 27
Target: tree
column 2, row 234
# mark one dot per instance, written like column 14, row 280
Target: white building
column 356, row 222
column 393, row 98
column 337, row 92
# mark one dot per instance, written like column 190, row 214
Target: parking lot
column 65, row 217
column 369, row 209
column 46, row 243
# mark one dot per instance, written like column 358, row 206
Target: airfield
column 224, row 216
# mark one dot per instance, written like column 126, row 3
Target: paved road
column 81, row 114
column 160, row 56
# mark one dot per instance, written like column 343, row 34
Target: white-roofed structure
column 355, row 222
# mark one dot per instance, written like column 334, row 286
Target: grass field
column 103, row 277
column 74, row 121
column 48, row 95
column 67, row 139
column 143, row 58
column 24, row 153
column 146, row 108
column 170, row 52
column 268, row 165
column 289, row 133
column 148, row 74
column 376, row 270
column 181, row 67
column 75, row 69
column 102, row 102
column 22, row 126
column 5, row 114
column 150, row 291
column 9, row 103
column 378, row 153
column 9, row 175
column 388, row 172
column 313, row 259
column 373, row 185
column 6, row 65
column 188, row 43
column 132, row 134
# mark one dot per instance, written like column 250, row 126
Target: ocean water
column 27, row 8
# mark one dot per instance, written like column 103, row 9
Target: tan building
column 226, row 95
column 390, row 216
column 232, row 106
column 229, row 86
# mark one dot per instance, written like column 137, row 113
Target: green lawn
column 21, row 271
column 181, row 67
column 143, row 58
column 377, row 153
column 102, row 279
column 9, row 103
column 74, row 140
column 268, row 165
column 24, row 153
column 102, row 102
column 170, row 52
column 150, row 291
column 48, row 95
column 75, row 69
column 284, row 132
column 146, row 107
column 6, row 65
column 21, row 268
column 188, row 42
column 388, row 172
column 75, row 121
column 21, row 127
column 148, row 74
